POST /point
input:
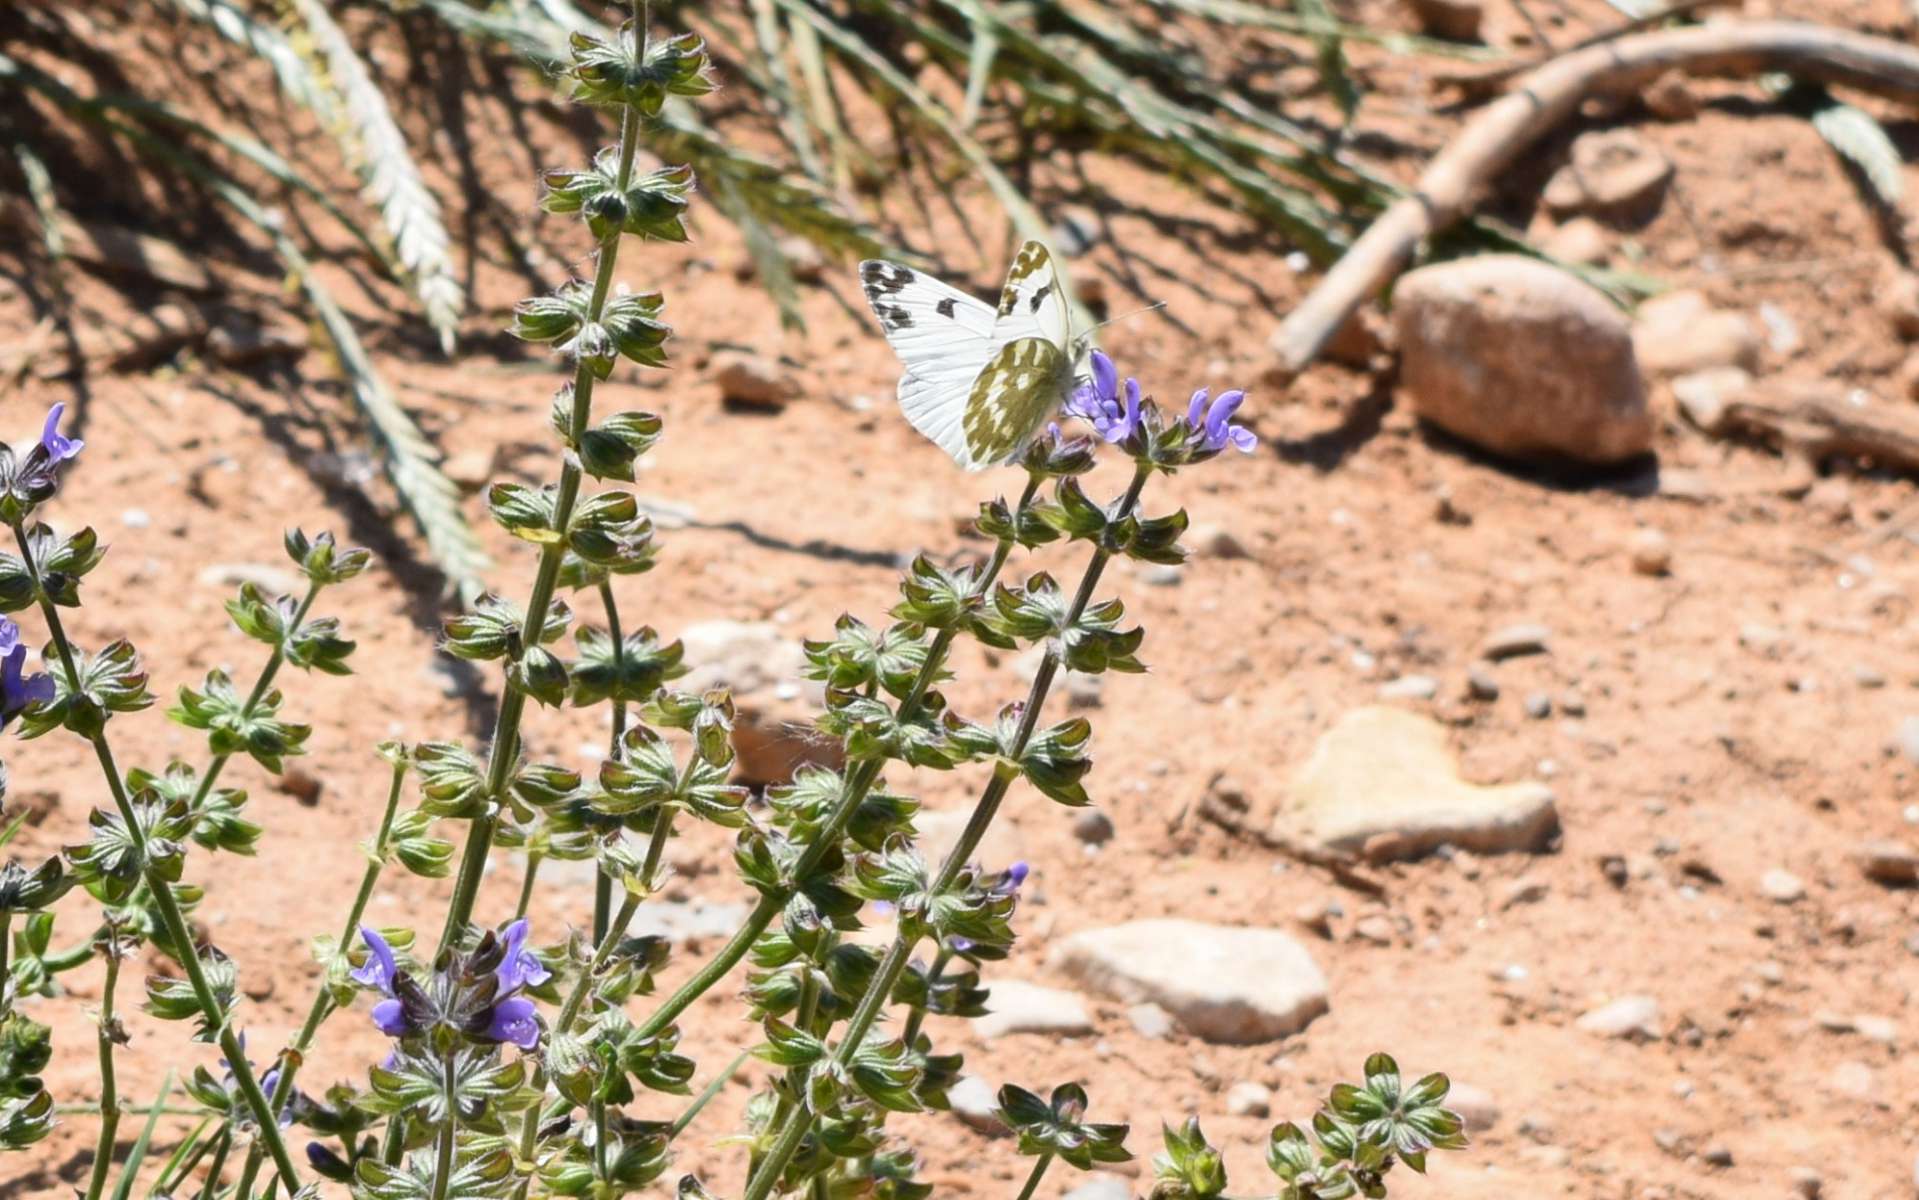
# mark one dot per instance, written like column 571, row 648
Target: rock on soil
column 1476, row 1106
column 1455, row 19
column 1521, row 358
column 1222, row 983
column 1885, row 861
column 1680, row 333
column 1018, row 1007
column 975, row 1102
column 753, row 382
column 1384, row 780
column 1249, row 1099
column 1613, row 173
column 1626, row 1017
column 940, row 831
column 773, row 733
column 1102, row 1186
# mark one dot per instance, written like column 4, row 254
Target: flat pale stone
column 939, row 832
column 1102, row 1186
column 1384, row 778
column 1018, row 1007
column 1626, row 1017
column 975, row 1102
column 1222, row 983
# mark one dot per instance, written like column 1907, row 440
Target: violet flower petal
column 380, row 967
column 57, row 447
column 1105, row 377
column 389, row 1016
column 515, row 1020
column 519, row 967
column 1196, row 410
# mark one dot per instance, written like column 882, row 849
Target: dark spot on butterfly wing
column 945, row 308
column 1039, row 297
column 896, row 317
column 883, row 278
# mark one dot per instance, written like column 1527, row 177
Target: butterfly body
column 980, row 380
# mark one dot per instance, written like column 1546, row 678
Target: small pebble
column 1781, row 887
column 1539, row 706
column 1249, row 1099
column 1150, row 1021
column 1572, row 702
column 135, row 518
column 1516, row 641
column 1806, row 1182
column 1480, row 682
column 1161, row 575
column 1718, row 1156
column 1651, row 552
column 1868, row 676
column 1410, row 687
column 1093, row 827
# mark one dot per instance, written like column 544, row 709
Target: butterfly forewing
column 1014, row 395
column 1032, row 304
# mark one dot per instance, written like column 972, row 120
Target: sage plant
column 526, row 1062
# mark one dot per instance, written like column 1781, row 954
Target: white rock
column 1651, row 552
column 1521, row 358
column 976, row 1102
column 1907, row 738
column 1704, row 395
column 1150, row 1021
column 1101, row 1185
column 1626, row 1017
column 1383, row 779
column 1475, row 1106
column 1516, row 641
column 1581, row 240
column 1409, row 687
column 1781, row 887
column 1249, row 1099
column 1015, row 1006
column 1223, row 983
column 1883, row 860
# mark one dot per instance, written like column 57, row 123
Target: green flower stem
column 6, row 941
column 295, row 1055
column 443, row 1165
column 506, row 730
column 211, row 1187
column 533, row 861
column 864, row 776
column 987, row 807
column 163, row 899
column 602, row 882
column 260, row 687
column 1032, row 1181
column 109, row 1089
column 570, row 1012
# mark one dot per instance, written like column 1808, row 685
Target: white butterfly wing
column 1032, row 304
column 943, row 337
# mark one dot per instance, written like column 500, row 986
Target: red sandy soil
column 1701, row 761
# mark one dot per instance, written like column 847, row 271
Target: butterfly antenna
column 1154, row 306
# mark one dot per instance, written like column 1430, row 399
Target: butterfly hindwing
column 1013, row 396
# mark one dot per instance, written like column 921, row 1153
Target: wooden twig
column 1809, row 422
column 1505, row 129
column 1473, row 85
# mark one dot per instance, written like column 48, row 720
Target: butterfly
column 980, row 380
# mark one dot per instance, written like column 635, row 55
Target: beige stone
column 1384, row 779
column 1613, row 173
column 1521, row 358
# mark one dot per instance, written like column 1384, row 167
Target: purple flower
column 1010, row 879
column 1099, row 404
column 1210, row 423
column 382, row 971
column 59, row 449
column 519, row 968
column 381, row 967
column 515, row 1020
column 960, row 945
column 18, row 689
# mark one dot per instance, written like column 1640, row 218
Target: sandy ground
column 1738, row 711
